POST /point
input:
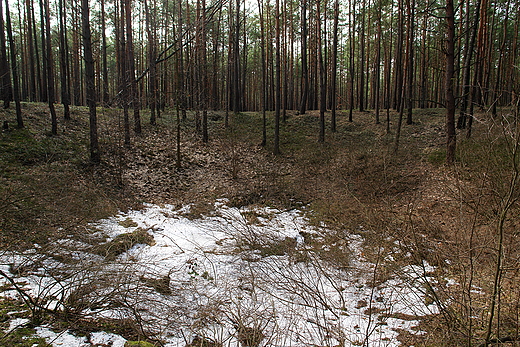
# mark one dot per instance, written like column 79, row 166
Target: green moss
column 22, row 336
column 437, row 157
column 123, row 242
column 128, row 223
column 138, row 344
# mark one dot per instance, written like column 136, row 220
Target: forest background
column 325, row 86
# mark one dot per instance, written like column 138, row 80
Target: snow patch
column 205, row 277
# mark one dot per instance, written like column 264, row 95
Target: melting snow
column 200, row 278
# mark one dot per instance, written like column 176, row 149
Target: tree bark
column 150, row 22
column 323, row 83
column 449, row 84
column 130, row 71
column 95, row 155
column 377, row 68
column 105, row 93
column 264, row 73
column 6, row 88
column 334, row 66
column 16, row 89
column 64, row 51
column 30, row 47
column 50, row 70
column 305, row 68
column 278, row 96
column 410, row 8
column 361, row 91
column 466, row 75
column 351, row 60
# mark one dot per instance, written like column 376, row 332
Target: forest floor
column 354, row 181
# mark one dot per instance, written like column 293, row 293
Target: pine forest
column 210, row 173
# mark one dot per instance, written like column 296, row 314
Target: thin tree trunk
column 466, row 75
column 131, row 68
column 151, row 63
column 305, row 68
column 104, row 63
column 50, row 70
column 45, row 80
column 476, row 89
column 410, row 8
column 181, row 76
column 334, row 66
column 6, row 88
column 95, row 155
column 361, row 91
column 203, row 72
column 16, row 89
column 496, row 94
column 398, row 84
column 377, row 69
column 64, row 51
column 236, row 62
column 351, row 59
column 76, row 75
column 30, row 53
column 278, row 97
column 323, row 83
column 264, row 73
column 424, row 59
column 450, row 72
column 123, row 75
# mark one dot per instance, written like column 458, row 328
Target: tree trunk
column 203, row 101
column 377, row 68
column 150, row 22
column 398, row 82
column 323, row 83
column 305, row 68
column 50, row 70
column 30, row 47
column 123, row 75
column 334, row 66
column 264, row 73
column 64, row 51
column 132, row 83
column 16, row 89
column 6, row 88
column 237, row 93
column 410, row 8
column 278, row 96
column 351, row 59
column 466, row 75
column 496, row 93
column 450, row 72
column 95, row 156
column 44, row 70
column 361, row 91
column 105, row 93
